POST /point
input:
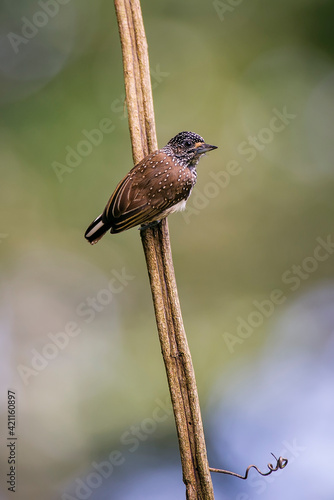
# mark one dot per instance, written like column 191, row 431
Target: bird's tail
column 96, row 230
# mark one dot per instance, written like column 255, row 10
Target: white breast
column 179, row 206
column 175, row 208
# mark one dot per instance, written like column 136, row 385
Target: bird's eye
column 188, row 143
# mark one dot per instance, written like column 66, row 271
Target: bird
column 157, row 186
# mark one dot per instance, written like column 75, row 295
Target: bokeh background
column 253, row 253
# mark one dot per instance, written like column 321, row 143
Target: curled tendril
column 280, row 464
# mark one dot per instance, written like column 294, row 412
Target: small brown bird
column 157, row 186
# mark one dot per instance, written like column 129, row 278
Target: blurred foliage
column 220, row 74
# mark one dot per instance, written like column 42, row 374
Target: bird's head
column 188, row 147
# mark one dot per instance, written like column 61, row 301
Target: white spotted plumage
column 154, row 188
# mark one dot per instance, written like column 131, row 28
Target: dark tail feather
column 96, row 230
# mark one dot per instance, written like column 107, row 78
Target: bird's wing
column 151, row 187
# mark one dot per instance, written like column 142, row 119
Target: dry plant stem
column 156, row 243
column 280, row 464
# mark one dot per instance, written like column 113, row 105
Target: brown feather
column 152, row 187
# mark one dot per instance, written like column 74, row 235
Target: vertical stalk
column 156, row 244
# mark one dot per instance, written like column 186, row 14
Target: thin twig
column 156, row 244
column 280, row 464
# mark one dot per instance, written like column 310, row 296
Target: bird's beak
column 202, row 147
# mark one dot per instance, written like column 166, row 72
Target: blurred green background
column 224, row 70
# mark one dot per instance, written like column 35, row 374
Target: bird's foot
column 150, row 224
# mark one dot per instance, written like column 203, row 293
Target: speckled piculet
column 157, row 186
